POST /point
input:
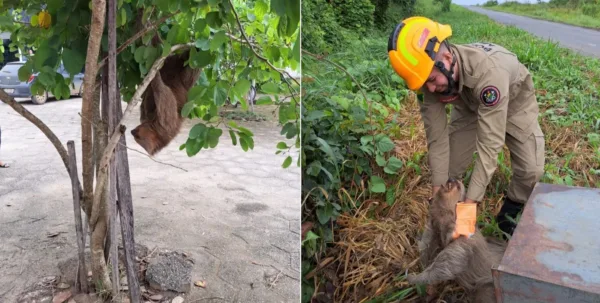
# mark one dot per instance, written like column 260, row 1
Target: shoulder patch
column 490, row 95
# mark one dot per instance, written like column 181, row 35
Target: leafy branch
column 114, row 138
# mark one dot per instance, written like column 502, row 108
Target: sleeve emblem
column 490, row 95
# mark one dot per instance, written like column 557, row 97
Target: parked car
column 9, row 81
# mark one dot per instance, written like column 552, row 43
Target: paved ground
column 231, row 209
column 586, row 41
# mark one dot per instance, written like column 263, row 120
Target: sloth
column 468, row 261
column 160, row 111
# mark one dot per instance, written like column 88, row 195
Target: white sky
column 474, row 2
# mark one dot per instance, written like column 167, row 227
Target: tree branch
column 282, row 72
column 138, row 35
column 114, row 138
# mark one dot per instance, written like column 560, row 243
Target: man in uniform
column 493, row 103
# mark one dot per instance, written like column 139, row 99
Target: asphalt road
column 585, row 41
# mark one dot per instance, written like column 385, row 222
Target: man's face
column 437, row 81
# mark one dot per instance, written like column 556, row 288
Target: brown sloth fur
column 468, row 261
column 163, row 100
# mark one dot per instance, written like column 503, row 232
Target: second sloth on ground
column 468, row 261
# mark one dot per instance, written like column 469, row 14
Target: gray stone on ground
column 170, row 271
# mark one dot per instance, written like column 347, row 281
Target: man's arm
column 435, row 120
column 493, row 95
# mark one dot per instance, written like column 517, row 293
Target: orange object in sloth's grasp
column 466, row 218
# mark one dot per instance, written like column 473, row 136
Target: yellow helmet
column 412, row 48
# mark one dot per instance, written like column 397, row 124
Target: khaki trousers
column 527, row 158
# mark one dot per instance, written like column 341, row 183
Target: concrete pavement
column 236, row 213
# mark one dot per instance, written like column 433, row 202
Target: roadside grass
column 363, row 253
column 587, row 15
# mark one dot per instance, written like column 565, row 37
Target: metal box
column 554, row 254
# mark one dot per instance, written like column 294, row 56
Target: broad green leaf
column 314, row 115
column 166, row 49
column 242, row 87
column 7, row 20
column 217, row 40
column 25, row 71
column 296, row 51
column 219, row 95
column 73, row 61
column 203, row 44
column 377, row 184
column 33, row 21
column 264, row 100
column 163, row 5
column 287, row 162
column 282, row 145
column 198, row 131
column 187, row 108
column 260, row 8
column 381, row 161
column 324, row 213
column 193, row 146
column 200, row 25
column 139, row 54
column 213, row 19
column 385, row 144
column 202, row 59
column 195, row 93
column 213, row 136
column 278, row 6
column 270, row 88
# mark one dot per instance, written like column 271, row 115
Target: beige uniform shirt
column 496, row 90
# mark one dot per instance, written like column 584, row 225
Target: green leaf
column 296, row 51
column 242, row 87
column 282, row 145
column 219, row 95
column 25, row 71
column 264, row 100
column 203, row 44
column 390, row 196
column 163, row 5
column 198, row 131
column 213, row 136
column 314, row 115
column 200, row 25
column 7, row 20
column 33, row 21
column 385, row 144
column 217, row 40
column 243, row 143
column 74, row 61
column 393, row 165
column 139, row 54
column 380, row 160
column 287, row 162
column 270, row 88
column 202, row 59
column 213, row 19
column 187, row 108
column 324, row 213
column 166, row 49
column 278, row 6
column 377, row 184
column 233, row 137
column 260, row 8
column 193, row 146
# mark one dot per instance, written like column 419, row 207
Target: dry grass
column 376, row 244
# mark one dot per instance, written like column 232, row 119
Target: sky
column 475, row 2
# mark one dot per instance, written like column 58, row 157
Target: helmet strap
column 448, row 73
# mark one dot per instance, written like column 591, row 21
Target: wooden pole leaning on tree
column 81, row 281
column 119, row 180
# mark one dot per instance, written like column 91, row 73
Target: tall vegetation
column 365, row 175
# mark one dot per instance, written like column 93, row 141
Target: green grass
column 574, row 16
column 334, row 111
